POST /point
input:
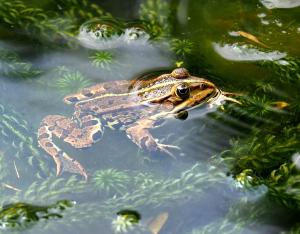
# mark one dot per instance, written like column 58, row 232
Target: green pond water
column 238, row 167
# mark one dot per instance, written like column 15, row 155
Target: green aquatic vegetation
column 70, row 81
column 156, row 15
column 283, row 184
column 58, row 25
column 162, row 192
column 20, row 142
column 241, row 216
column 267, row 156
column 102, row 59
column 111, row 181
column 50, row 189
column 287, row 69
column 122, row 225
column 80, row 10
column 34, row 21
column 126, row 221
column 20, row 216
column 4, row 170
column 11, row 65
column 182, row 47
column 264, row 151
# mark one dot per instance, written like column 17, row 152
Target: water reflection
column 104, row 34
column 270, row 4
column 236, row 52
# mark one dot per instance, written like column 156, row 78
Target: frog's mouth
column 222, row 97
column 211, row 97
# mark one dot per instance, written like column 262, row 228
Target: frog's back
column 105, row 88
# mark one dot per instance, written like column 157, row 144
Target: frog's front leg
column 80, row 134
column 140, row 135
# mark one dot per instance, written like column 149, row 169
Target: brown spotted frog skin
column 132, row 106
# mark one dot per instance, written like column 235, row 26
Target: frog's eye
column 182, row 91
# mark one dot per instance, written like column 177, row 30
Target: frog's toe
column 170, row 146
column 165, row 149
column 69, row 164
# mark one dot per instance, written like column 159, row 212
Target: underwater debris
column 16, row 170
column 249, row 37
column 11, row 187
column 158, row 222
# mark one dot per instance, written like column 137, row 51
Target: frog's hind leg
column 79, row 135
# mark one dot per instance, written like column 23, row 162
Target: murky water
column 52, row 49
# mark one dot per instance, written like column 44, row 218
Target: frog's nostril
column 72, row 99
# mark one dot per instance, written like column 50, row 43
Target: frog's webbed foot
column 141, row 136
column 68, row 130
column 165, row 149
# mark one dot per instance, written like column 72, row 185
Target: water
column 214, row 185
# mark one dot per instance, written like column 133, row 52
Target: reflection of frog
column 132, row 106
column 22, row 215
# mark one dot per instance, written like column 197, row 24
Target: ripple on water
column 270, row 4
column 236, row 52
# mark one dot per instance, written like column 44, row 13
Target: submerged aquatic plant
column 11, row 65
column 241, row 216
column 16, row 134
column 157, row 193
column 20, row 216
column 126, row 221
column 122, row 224
column 57, row 26
column 102, row 59
column 71, row 82
column 267, row 156
column 111, row 181
column 157, row 16
column 182, row 47
column 287, row 69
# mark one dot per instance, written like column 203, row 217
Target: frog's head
column 180, row 91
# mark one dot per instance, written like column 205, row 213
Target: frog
column 132, row 106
